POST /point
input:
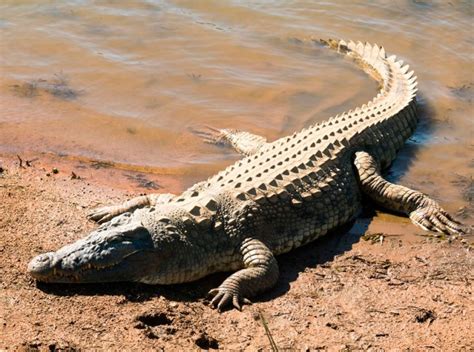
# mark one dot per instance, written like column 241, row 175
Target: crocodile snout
column 42, row 265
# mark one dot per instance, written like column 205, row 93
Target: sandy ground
column 391, row 289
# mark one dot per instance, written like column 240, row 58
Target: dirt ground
column 383, row 285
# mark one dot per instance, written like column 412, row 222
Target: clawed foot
column 223, row 298
column 103, row 214
column 211, row 135
column 434, row 218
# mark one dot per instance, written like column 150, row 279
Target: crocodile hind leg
column 259, row 274
column 104, row 214
column 243, row 142
column 422, row 210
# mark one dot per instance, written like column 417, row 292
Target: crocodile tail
column 397, row 83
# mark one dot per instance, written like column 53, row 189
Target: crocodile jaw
column 103, row 256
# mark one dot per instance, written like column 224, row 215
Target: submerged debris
column 142, row 181
column 58, row 86
column 466, row 186
column 463, row 91
column 131, row 130
column 195, row 77
column 27, row 89
column 96, row 164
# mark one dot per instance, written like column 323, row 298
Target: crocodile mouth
column 119, row 254
column 48, row 268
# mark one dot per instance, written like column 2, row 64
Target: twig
column 267, row 332
column 21, row 161
column 27, row 162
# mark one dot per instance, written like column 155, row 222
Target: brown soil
column 388, row 290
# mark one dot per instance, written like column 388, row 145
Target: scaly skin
column 282, row 195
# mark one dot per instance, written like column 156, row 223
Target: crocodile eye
column 116, row 239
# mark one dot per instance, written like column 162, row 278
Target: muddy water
column 129, row 82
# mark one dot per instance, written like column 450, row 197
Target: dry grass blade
column 268, row 333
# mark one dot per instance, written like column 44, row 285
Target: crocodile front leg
column 243, row 142
column 104, row 214
column 260, row 273
column 422, row 210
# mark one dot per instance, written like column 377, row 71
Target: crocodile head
column 153, row 245
column 119, row 253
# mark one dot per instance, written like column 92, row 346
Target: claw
column 217, row 299
column 103, row 214
column 224, row 302
column 223, row 299
column 437, row 219
column 211, row 135
column 213, row 292
column 236, row 303
column 246, row 301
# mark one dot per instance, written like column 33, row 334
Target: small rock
column 55, row 170
column 425, row 315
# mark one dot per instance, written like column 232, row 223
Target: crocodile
column 281, row 195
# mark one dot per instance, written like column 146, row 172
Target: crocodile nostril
column 43, row 258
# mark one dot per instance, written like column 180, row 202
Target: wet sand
column 382, row 284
